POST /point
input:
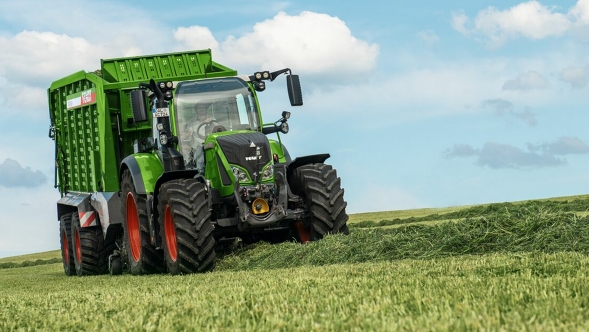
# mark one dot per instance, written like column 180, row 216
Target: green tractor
column 193, row 167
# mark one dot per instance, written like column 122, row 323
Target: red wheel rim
column 303, row 232
column 170, row 234
column 77, row 246
column 65, row 248
column 133, row 227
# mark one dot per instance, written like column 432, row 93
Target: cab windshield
column 225, row 103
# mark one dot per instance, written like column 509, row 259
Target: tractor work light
column 259, row 86
column 285, row 115
column 162, row 85
column 258, row 75
column 266, row 75
column 169, row 85
column 284, row 128
column 160, row 126
column 163, row 139
column 168, row 95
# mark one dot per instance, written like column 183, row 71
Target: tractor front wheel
column 143, row 258
column 320, row 188
column 185, row 227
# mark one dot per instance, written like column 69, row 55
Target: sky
column 424, row 104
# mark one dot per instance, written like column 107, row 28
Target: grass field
column 504, row 266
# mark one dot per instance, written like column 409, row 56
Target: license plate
column 161, row 112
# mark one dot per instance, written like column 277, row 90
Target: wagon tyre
column 142, row 257
column 320, row 189
column 185, row 227
column 67, row 255
column 89, row 252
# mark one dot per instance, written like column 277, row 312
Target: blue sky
column 431, row 104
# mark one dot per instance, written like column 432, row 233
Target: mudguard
column 281, row 153
column 145, row 169
column 305, row 160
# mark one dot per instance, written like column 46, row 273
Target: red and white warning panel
column 88, row 219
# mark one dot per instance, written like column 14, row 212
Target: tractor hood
column 248, row 150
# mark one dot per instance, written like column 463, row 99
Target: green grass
column 32, row 257
column 502, row 266
column 527, row 291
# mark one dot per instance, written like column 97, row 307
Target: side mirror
column 139, row 105
column 294, row 90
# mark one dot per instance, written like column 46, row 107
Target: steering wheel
column 215, row 129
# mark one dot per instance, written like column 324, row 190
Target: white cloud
column 119, row 26
column 498, row 104
column 428, row 36
column 61, row 55
column 531, row 80
column 440, row 89
column 22, row 100
column 12, row 175
column 576, row 76
column 498, row 155
column 581, row 12
column 530, row 19
column 308, row 43
column 562, row 146
column 196, row 37
column 459, row 22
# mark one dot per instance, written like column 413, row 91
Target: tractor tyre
column 89, row 252
column 142, row 257
column 185, row 227
column 65, row 236
column 320, row 188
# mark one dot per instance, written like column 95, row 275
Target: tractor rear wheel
column 89, row 252
column 185, row 227
column 65, row 231
column 143, row 258
column 320, row 188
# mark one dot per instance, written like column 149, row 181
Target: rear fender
column 145, row 170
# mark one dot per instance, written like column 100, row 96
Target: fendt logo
column 252, row 158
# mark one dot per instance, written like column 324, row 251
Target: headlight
column 268, row 172
column 239, row 174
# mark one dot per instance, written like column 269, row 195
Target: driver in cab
column 194, row 135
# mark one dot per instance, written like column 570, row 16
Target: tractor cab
column 212, row 106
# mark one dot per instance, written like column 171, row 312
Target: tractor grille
column 239, row 151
